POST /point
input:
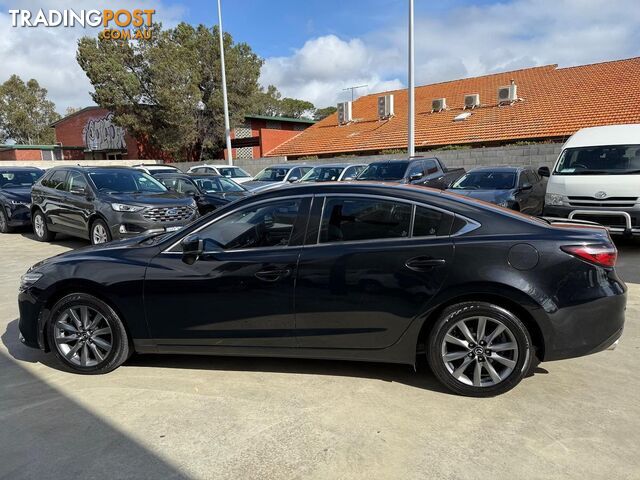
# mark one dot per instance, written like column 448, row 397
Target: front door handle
column 422, row 264
column 272, row 274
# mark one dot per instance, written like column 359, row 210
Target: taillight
column 602, row 254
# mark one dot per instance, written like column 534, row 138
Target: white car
column 334, row 172
column 597, row 178
column 153, row 169
column 237, row 174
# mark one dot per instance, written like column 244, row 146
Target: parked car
column 15, row 196
column 349, row 270
column 277, row 175
column 209, row 191
column 236, row 174
column 155, row 168
column 105, row 203
column 334, row 172
column 517, row 188
column 597, row 178
column 428, row 172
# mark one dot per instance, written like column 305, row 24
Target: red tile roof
column 555, row 102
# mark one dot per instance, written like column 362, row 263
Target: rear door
column 79, row 203
column 370, row 266
column 53, row 202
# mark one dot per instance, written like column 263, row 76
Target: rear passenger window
column 430, row 167
column 349, row 219
column 431, row 223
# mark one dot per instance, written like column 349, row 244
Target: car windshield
column 233, row 172
column 217, row 185
column 323, row 174
column 603, row 160
column 384, row 171
column 125, row 181
column 272, row 174
column 486, row 181
column 18, row 178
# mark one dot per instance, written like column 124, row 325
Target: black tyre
column 479, row 349
column 4, row 221
column 87, row 335
column 99, row 232
column 40, row 227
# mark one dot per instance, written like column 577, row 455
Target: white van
column 597, row 178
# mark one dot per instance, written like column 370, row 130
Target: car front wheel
column 4, row 221
column 99, row 232
column 87, row 335
column 479, row 349
column 40, row 228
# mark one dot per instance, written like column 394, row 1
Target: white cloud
column 48, row 54
column 463, row 42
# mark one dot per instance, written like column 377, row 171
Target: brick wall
column 56, row 163
column 21, row 155
column 535, row 155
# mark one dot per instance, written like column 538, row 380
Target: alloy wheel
column 38, row 225
column 3, row 221
column 480, row 351
column 83, row 336
column 99, row 234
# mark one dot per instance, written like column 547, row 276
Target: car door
column 79, row 203
column 240, row 292
column 53, row 202
column 524, row 196
column 364, row 274
column 416, row 168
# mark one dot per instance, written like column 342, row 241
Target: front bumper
column 617, row 220
column 32, row 318
column 18, row 215
column 130, row 224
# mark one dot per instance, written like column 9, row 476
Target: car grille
column 609, row 221
column 620, row 202
column 168, row 214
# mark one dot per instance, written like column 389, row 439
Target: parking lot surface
column 212, row 417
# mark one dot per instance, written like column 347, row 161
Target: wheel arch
column 501, row 295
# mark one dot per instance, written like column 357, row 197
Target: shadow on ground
column 628, row 259
column 421, row 377
column 61, row 239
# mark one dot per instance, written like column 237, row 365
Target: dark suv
column 15, row 196
column 105, row 203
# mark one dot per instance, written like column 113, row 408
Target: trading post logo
column 117, row 24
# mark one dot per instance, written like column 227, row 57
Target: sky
column 314, row 49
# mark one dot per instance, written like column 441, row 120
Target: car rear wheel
column 99, row 232
column 479, row 349
column 41, row 229
column 4, row 221
column 87, row 335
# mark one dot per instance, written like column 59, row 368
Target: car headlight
column 29, row 279
column 123, row 207
column 553, row 199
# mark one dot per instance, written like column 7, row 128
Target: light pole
column 411, row 92
column 227, row 128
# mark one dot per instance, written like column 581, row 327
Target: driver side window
column 264, row 225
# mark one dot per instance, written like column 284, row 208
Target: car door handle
column 272, row 274
column 421, row 264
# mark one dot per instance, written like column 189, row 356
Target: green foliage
column 322, row 113
column 309, row 157
column 168, row 89
column 270, row 102
column 453, row 147
column 25, row 113
column 394, row 151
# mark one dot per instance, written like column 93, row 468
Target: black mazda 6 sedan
column 350, row 271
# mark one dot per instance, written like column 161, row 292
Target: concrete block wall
column 535, row 155
column 55, row 163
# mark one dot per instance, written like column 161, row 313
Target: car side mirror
column 192, row 248
column 78, row 191
column 544, row 172
column 293, row 179
column 416, row 176
column 526, row 186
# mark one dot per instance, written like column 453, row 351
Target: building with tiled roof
column 552, row 103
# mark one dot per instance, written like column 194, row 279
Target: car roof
column 19, row 168
column 338, row 165
column 501, row 168
column 288, row 165
column 607, row 135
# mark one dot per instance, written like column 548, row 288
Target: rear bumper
column 616, row 220
column 18, row 215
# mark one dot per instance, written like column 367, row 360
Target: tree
column 294, row 108
column 322, row 113
column 270, row 102
column 168, row 89
column 25, row 112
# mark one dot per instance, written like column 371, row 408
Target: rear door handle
column 421, row 264
column 272, row 274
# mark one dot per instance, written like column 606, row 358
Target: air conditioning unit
column 508, row 94
column 385, row 107
column 438, row 104
column 344, row 113
column 472, row 100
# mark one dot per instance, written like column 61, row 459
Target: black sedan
column 517, row 188
column 360, row 271
column 209, row 190
column 15, row 196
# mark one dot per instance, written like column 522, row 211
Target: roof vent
column 508, row 94
column 438, row 104
column 385, row 106
column 472, row 100
column 344, row 113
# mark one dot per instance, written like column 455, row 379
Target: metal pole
column 411, row 93
column 227, row 128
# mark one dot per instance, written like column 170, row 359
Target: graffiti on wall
column 103, row 134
